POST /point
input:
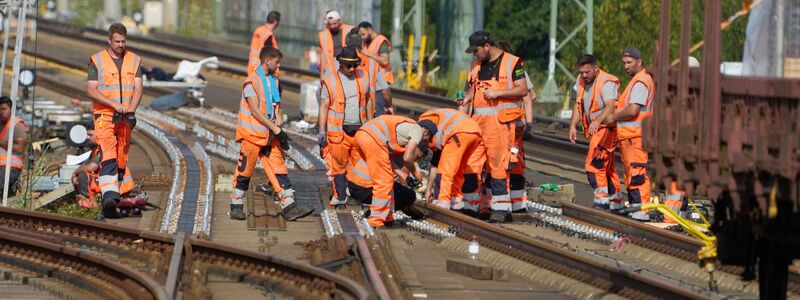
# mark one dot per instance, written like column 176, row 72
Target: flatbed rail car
column 736, row 141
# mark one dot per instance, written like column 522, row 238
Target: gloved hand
column 116, row 118
column 412, row 182
column 131, row 119
column 284, row 138
column 528, row 135
column 322, row 140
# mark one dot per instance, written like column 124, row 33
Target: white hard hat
column 333, row 15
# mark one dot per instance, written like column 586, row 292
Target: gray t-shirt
column 380, row 82
column 351, row 105
column 639, row 94
column 609, row 92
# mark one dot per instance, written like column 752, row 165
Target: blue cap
column 429, row 125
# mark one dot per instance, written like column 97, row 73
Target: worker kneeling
column 85, row 178
column 261, row 137
column 377, row 141
column 454, row 138
column 359, row 183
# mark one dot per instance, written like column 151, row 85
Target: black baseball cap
column 632, row 52
column 348, row 56
column 477, row 39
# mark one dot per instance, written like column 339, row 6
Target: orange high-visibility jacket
column 374, row 47
column 596, row 107
column 633, row 128
column 336, row 108
column 505, row 109
column 326, row 46
column 17, row 160
column 115, row 84
column 260, row 36
column 249, row 128
column 383, row 130
column 449, row 122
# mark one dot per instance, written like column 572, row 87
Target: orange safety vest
column 248, row 127
column 327, row 56
column 633, row 128
column 17, row 159
column 375, row 47
column 596, row 107
column 260, row 36
column 337, row 98
column 113, row 85
column 383, row 129
column 449, row 122
column 505, row 109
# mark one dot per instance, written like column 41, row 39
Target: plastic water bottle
column 474, row 248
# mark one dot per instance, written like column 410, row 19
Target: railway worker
column 332, row 40
column 263, row 36
column 377, row 47
column 359, row 183
column 634, row 106
column 345, row 104
column 85, row 177
column 261, row 137
column 676, row 202
column 494, row 99
column 371, row 67
column 377, row 141
column 527, row 100
column 115, row 85
column 597, row 96
column 456, row 141
column 18, row 145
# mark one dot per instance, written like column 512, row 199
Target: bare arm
column 607, row 111
column 410, row 155
column 431, row 178
column 253, row 102
column 278, row 115
column 624, row 115
column 573, row 123
column 387, row 99
column 94, row 94
column 528, row 102
column 370, row 107
column 519, row 90
column 138, row 89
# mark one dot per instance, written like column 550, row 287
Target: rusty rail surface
column 602, row 275
column 196, row 255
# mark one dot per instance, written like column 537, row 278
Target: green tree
column 523, row 24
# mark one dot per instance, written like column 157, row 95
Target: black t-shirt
column 337, row 42
column 268, row 43
column 491, row 70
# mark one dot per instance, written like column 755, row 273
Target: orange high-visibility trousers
column 273, row 160
column 497, row 139
column 634, row 159
column 454, row 159
column 600, row 169
column 674, row 200
column 516, row 177
column 473, row 185
column 342, row 155
column 380, row 170
column 114, row 142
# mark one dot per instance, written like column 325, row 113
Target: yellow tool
column 708, row 253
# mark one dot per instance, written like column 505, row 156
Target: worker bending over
column 115, row 85
column 377, row 47
column 596, row 100
column 263, row 36
column 494, row 100
column 635, row 106
column 455, row 138
column 377, row 141
column 359, row 183
column 261, row 137
column 18, row 146
column 331, row 40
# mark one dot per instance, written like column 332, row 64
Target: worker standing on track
column 635, row 106
column 455, row 138
column 18, row 146
column 494, row 100
column 597, row 96
column 377, row 47
column 345, row 105
column 261, row 137
column 263, row 36
column 377, row 141
column 332, row 40
column 115, row 85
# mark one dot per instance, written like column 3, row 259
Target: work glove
column 116, row 118
column 284, row 139
column 322, row 140
column 528, row 135
column 131, row 119
column 412, row 182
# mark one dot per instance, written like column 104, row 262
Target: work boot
column 413, row 213
column 110, row 209
column 352, row 201
column 601, row 206
column 484, row 214
column 640, row 216
column 500, row 216
column 468, row 212
column 340, row 206
column 521, row 211
column 296, row 211
column 237, row 212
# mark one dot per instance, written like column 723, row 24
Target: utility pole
column 550, row 92
column 14, row 96
column 6, row 34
